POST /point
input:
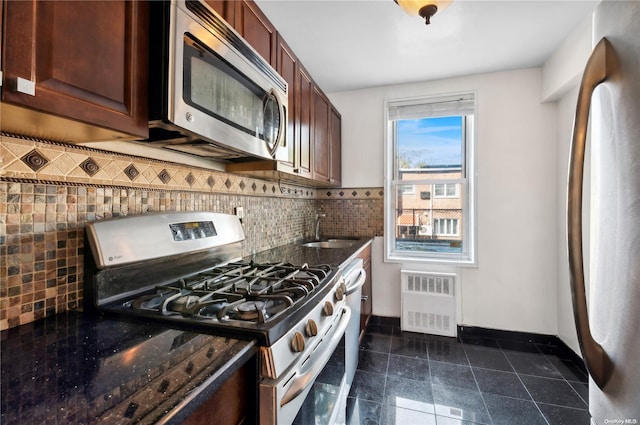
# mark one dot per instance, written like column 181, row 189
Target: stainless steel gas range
column 186, row 269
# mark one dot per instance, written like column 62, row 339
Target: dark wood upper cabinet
column 83, row 60
column 256, row 29
column 287, row 67
column 298, row 144
column 335, row 146
column 226, row 9
column 313, row 145
column 327, row 140
column 321, row 136
column 304, row 106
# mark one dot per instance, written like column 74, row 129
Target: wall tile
column 43, row 213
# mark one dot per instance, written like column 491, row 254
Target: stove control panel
column 305, row 336
column 137, row 238
column 192, row 230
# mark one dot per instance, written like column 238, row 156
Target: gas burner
column 250, row 306
column 183, row 304
column 259, row 311
column 247, row 296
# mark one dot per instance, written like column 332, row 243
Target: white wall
column 566, row 326
column 514, row 285
column 561, row 78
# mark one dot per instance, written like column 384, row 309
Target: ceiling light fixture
column 424, row 8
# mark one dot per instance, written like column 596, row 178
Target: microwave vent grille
column 221, row 28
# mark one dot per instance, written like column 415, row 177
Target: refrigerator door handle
column 599, row 67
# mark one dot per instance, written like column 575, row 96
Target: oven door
column 325, row 403
column 314, row 390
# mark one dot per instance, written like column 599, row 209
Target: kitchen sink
column 331, row 243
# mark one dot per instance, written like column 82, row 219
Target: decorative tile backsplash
column 48, row 191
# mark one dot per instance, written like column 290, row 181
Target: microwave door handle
column 303, row 381
column 599, row 67
column 281, row 124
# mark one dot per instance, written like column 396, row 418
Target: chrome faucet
column 318, row 217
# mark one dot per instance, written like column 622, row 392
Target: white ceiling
column 352, row 44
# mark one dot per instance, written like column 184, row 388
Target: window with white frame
column 430, row 151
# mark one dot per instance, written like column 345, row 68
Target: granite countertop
column 74, row 369
column 295, row 253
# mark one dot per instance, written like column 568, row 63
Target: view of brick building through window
column 431, row 208
column 429, row 199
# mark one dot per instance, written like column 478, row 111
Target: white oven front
column 326, row 401
column 314, row 390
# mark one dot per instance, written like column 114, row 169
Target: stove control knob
column 327, row 310
column 297, row 342
column 311, row 329
column 340, row 293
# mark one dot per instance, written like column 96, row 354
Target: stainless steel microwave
column 211, row 94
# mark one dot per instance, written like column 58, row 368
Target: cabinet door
column 304, row 130
column 256, row 29
column 287, row 67
column 321, row 149
column 224, row 8
column 335, row 124
column 88, row 60
column 234, row 403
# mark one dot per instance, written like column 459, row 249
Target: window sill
column 431, row 260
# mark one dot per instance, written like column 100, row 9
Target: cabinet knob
column 364, row 298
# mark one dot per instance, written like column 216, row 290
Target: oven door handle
column 306, row 379
column 351, row 288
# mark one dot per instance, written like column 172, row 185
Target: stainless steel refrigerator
column 608, row 314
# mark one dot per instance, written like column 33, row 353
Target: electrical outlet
column 240, row 212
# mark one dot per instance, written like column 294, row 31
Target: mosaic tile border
column 373, row 193
column 30, row 160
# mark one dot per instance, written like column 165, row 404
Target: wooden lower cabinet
column 235, row 403
column 367, row 301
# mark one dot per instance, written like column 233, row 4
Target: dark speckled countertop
column 297, row 254
column 73, row 368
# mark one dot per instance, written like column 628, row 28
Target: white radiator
column 428, row 302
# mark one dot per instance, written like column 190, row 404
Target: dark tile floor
column 406, row 378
